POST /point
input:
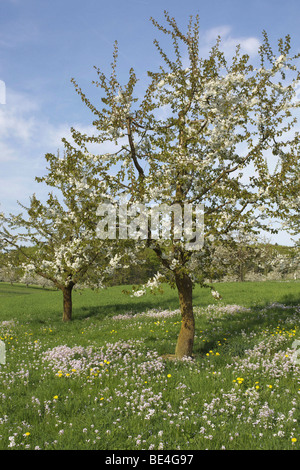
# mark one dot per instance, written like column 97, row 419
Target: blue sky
column 43, row 44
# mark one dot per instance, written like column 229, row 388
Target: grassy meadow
column 103, row 382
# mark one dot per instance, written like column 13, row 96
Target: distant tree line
column 237, row 260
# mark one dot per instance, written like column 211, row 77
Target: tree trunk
column 67, row 311
column 185, row 340
column 242, row 272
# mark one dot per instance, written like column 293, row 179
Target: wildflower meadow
column 107, row 381
column 121, row 328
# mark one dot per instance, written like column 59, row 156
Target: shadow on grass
column 18, row 289
column 262, row 315
column 166, row 301
column 109, row 310
column 291, row 300
column 258, row 320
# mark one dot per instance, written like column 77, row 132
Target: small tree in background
column 61, row 233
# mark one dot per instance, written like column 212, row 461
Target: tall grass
column 103, row 381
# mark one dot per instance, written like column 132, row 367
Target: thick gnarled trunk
column 185, row 340
column 67, row 303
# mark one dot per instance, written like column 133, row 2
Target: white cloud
column 24, row 130
column 16, row 118
column 229, row 42
column 211, row 34
column 25, row 136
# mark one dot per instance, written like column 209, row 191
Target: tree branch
column 133, row 151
